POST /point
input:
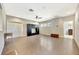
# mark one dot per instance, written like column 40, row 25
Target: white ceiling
column 45, row 10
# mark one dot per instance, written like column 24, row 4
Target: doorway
column 68, row 29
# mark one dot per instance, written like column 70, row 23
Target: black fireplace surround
column 32, row 29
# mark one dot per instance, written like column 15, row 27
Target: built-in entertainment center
column 32, row 29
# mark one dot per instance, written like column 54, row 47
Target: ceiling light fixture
column 37, row 17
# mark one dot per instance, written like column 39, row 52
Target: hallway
column 40, row 45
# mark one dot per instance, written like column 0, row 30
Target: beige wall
column 1, row 32
column 49, row 27
column 60, row 27
column 56, row 25
column 77, row 26
column 61, row 23
column 17, row 26
column 3, row 28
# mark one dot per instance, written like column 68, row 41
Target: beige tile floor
column 40, row 45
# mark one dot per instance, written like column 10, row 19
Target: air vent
column 31, row 10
